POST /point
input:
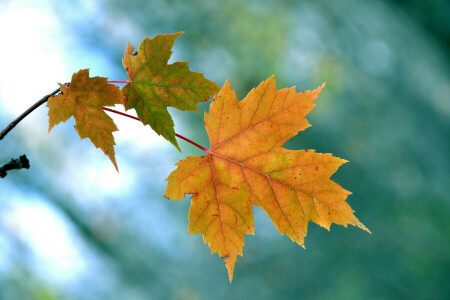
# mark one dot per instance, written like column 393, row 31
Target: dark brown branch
column 26, row 113
column 15, row 164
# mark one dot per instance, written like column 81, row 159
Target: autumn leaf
column 246, row 165
column 83, row 99
column 154, row 85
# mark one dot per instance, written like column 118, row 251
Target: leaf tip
column 227, row 83
column 343, row 161
column 320, row 88
column 300, row 241
column 230, row 261
column 129, row 49
column 175, row 143
column 50, row 126
column 115, row 166
column 363, row 227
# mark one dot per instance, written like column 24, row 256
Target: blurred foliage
column 385, row 108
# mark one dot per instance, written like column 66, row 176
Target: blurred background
column 72, row 228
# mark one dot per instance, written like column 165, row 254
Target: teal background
column 72, row 228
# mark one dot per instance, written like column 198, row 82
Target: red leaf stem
column 176, row 134
column 121, row 113
column 192, row 142
column 118, row 81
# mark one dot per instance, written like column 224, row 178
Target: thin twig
column 45, row 99
column 26, row 113
column 15, row 164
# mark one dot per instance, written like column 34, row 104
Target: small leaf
column 154, row 85
column 83, row 99
column 246, row 165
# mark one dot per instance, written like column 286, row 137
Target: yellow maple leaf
column 247, row 165
column 83, row 99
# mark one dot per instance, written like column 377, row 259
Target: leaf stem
column 121, row 113
column 118, row 81
column 26, row 113
column 176, row 134
column 192, row 142
column 45, row 99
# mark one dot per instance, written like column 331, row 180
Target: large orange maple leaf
column 246, row 165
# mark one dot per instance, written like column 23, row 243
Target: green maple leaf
column 154, row 84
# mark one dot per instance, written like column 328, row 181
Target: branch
column 45, row 99
column 15, row 164
column 26, row 113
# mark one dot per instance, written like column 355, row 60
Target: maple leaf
column 154, row 85
column 246, row 165
column 83, row 99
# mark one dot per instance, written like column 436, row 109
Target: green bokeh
column 385, row 108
